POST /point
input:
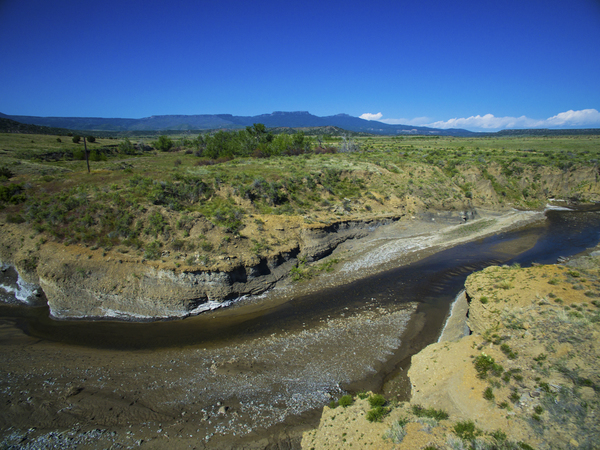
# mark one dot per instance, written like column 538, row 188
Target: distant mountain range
column 298, row 119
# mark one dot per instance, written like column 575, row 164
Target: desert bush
column 466, row 430
column 153, row 250
column 12, row 194
column 431, row 413
column 376, row 414
column 346, row 401
column 156, row 224
column 5, row 173
column 508, row 351
column 488, row 394
column 377, row 400
column 396, row 433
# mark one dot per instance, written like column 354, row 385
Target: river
column 253, row 372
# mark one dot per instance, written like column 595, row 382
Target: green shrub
column 206, row 246
column 13, row 194
column 430, row 412
column 483, row 364
column 5, row 173
column 153, row 250
column 156, row 224
column 126, row 147
column 346, row 401
column 488, row 394
column 30, row 263
column 507, row 351
column 15, row 218
column 164, row 143
column 466, row 430
column 178, row 244
column 483, row 300
column 376, row 414
column 499, row 436
column 377, row 400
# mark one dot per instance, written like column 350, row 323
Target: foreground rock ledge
column 540, row 329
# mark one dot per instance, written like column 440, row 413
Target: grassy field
column 136, row 196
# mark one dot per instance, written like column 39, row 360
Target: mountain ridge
column 293, row 119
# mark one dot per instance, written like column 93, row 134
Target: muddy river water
column 251, row 375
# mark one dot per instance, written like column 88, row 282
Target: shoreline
column 443, row 378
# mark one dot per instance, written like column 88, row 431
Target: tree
column 164, row 143
column 91, row 139
column 76, row 139
column 126, row 147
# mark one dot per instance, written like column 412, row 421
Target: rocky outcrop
column 77, row 282
column 319, row 242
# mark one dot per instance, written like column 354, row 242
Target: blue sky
column 479, row 65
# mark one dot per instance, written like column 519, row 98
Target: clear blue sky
column 512, row 63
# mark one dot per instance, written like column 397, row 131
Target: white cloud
column 487, row 122
column 570, row 119
column 417, row 121
column 369, row 116
column 585, row 118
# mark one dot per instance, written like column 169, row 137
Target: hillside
column 12, row 126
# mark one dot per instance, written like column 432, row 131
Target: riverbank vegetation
column 152, row 192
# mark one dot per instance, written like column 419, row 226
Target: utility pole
column 87, row 155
